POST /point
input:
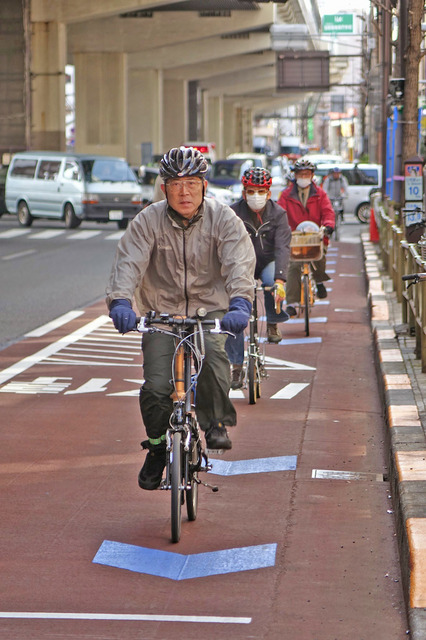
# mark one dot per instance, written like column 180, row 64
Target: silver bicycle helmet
column 181, row 162
column 303, row 164
column 308, row 226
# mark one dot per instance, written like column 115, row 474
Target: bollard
column 374, row 232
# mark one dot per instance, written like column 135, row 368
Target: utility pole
column 386, row 12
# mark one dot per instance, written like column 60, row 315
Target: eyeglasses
column 177, row 185
column 260, row 192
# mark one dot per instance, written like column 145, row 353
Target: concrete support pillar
column 230, row 112
column 145, row 112
column 175, row 119
column 100, row 101
column 48, row 57
column 215, row 119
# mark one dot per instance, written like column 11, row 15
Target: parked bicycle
column 307, row 247
column 414, row 278
column 186, row 457
column 415, row 223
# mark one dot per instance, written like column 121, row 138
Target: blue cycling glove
column 122, row 315
column 236, row 319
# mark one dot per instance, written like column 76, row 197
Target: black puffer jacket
column 271, row 239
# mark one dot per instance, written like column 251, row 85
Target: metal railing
column 399, row 258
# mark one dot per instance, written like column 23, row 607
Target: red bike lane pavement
column 299, row 542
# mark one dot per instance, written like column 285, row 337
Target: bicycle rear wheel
column 192, row 490
column 306, row 300
column 337, row 226
column 176, row 485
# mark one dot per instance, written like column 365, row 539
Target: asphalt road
column 47, row 270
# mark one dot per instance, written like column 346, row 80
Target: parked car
column 3, row 173
column 323, row 158
column 227, row 174
column 71, row 187
column 259, row 159
column 363, row 179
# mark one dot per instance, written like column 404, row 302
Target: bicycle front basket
column 305, row 247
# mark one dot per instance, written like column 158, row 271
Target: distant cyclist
column 177, row 255
column 336, row 186
column 304, row 200
column 270, row 233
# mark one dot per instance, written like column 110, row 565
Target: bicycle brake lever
column 141, row 328
column 217, row 328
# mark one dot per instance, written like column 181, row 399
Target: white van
column 363, row 180
column 71, row 187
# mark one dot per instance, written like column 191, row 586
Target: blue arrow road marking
column 257, row 465
column 176, row 566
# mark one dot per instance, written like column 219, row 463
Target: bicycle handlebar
column 144, row 324
column 415, row 276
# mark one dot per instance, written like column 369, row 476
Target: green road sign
column 338, row 23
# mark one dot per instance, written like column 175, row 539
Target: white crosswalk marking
column 84, row 235
column 46, row 235
column 115, row 236
column 14, row 233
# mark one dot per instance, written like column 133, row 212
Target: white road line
column 290, row 391
column 37, row 357
column 36, row 615
column 21, row 254
column 54, row 324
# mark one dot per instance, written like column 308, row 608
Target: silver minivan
column 363, row 180
column 72, row 188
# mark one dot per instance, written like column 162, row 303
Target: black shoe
column 152, row 471
column 321, row 291
column 291, row 311
column 217, row 436
column 237, row 376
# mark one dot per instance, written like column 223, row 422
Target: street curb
column 406, row 445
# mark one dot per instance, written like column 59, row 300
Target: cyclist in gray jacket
column 177, row 255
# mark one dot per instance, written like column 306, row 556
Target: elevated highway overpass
column 147, row 71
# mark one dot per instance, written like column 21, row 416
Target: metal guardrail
column 399, row 258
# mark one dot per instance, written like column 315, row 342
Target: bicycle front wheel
column 253, row 379
column 306, row 296
column 176, row 485
column 192, row 488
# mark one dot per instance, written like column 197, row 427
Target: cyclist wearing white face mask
column 304, row 200
column 270, row 233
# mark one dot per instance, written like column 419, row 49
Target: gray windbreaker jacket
column 169, row 269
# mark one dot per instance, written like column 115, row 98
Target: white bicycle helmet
column 307, row 226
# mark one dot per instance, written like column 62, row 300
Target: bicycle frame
column 185, row 453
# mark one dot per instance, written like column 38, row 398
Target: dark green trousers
column 212, row 401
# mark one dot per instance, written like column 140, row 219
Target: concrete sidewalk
column 403, row 387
